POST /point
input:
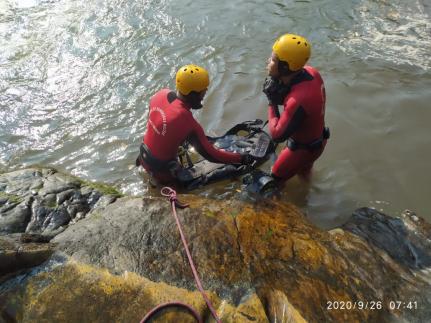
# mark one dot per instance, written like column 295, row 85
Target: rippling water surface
column 76, row 76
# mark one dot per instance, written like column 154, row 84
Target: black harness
column 155, row 164
column 293, row 145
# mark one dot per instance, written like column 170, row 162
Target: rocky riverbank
column 72, row 250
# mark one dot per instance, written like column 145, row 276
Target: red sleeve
column 199, row 140
column 278, row 126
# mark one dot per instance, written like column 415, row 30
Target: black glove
column 248, row 159
column 274, row 91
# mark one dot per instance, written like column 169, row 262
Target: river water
column 76, row 76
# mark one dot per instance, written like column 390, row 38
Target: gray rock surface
column 140, row 235
column 46, row 201
column 405, row 239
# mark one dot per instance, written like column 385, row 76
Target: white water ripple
column 398, row 32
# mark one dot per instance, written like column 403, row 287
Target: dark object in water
column 245, row 138
column 259, row 182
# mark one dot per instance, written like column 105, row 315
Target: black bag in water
column 245, row 138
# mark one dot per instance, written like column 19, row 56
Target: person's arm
column 282, row 127
column 198, row 140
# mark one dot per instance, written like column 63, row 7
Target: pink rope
column 160, row 307
column 169, row 192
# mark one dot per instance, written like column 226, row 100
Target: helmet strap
column 283, row 69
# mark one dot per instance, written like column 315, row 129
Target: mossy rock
column 102, row 188
column 12, row 198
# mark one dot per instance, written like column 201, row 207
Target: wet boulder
column 45, row 201
column 89, row 294
column 268, row 249
column 405, row 239
column 18, row 252
column 15, row 213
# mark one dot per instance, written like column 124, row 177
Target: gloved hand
column 248, row 159
column 270, row 88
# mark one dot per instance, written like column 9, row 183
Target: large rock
column 85, row 294
column 240, row 249
column 46, row 201
column 405, row 239
column 260, row 262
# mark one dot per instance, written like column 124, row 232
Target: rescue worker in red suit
column 301, row 92
column 171, row 122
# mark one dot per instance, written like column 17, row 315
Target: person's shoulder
column 162, row 92
column 159, row 96
column 311, row 70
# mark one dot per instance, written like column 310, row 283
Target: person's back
column 309, row 91
column 170, row 123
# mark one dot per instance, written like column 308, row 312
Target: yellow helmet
column 192, row 78
column 293, row 49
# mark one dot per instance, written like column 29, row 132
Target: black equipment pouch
column 292, row 144
column 261, row 146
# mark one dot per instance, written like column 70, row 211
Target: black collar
column 301, row 77
column 172, row 96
